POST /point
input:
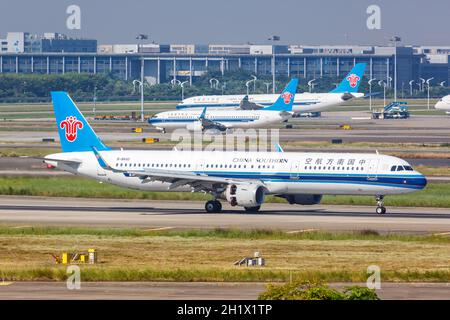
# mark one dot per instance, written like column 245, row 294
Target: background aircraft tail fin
column 286, row 98
column 74, row 131
column 352, row 80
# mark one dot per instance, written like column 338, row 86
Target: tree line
column 107, row 87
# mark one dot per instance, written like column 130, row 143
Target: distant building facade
column 22, row 53
column 25, row 42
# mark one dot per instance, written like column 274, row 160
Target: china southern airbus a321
column 304, row 102
column 241, row 178
column 221, row 120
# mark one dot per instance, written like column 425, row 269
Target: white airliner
column 242, row 178
column 444, row 104
column 217, row 119
column 303, row 102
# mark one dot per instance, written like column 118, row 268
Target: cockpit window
column 393, row 168
column 408, row 168
column 399, row 168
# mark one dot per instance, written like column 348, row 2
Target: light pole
column 403, row 90
column 142, row 37
column 441, row 84
column 267, row 86
column 224, row 86
column 214, row 83
column 411, row 88
column 182, row 89
column 422, row 88
column 383, row 84
column 95, row 100
column 254, row 83
column 395, row 39
column 273, row 39
column 141, row 89
column 370, row 92
column 247, row 84
column 389, row 82
column 311, row 84
column 428, row 92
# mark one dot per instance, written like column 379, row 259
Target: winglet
column 278, row 147
column 202, row 116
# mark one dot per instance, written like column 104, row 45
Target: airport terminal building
column 54, row 53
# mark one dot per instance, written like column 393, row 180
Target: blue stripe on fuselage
column 401, row 181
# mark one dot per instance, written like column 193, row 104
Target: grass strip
column 221, row 233
column 434, row 195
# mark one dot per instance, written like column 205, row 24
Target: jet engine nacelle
column 304, row 199
column 245, row 195
column 194, row 126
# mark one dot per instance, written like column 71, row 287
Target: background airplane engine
column 245, row 195
column 304, row 199
column 194, row 126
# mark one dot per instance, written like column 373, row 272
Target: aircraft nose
column 421, row 181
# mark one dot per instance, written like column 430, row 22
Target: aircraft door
column 372, row 169
column 295, row 170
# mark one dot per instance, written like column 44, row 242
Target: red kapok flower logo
column 353, row 80
column 71, row 125
column 287, row 96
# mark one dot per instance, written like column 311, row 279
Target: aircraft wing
column 198, row 181
column 245, row 104
column 209, row 124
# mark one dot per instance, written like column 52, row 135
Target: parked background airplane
column 443, row 104
column 219, row 119
column 242, row 178
column 303, row 103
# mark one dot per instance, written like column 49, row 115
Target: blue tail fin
column 352, row 80
column 74, row 131
column 286, row 98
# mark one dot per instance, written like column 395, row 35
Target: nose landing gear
column 380, row 208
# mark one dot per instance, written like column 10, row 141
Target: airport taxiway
column 33, row 211
column 194, row 290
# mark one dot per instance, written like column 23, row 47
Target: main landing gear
column 213, row 206
column 380, row 208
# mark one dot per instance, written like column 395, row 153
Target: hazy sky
column 235, row 21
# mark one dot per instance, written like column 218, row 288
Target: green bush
column 315, row 291
column 360, row 293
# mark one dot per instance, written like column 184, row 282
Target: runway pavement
column 32, row 211
column 417, row 129
column 193, row 290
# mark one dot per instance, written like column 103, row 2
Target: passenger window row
column 153, row 165
column 239, row 166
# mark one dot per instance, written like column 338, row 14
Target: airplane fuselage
column 280, row 172
column 303, row 102
column 189, row 119
column 443, row 104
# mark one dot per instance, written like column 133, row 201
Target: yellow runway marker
column 159, row 229
column 5, row 283
column 301, row 231
column 442, row 234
